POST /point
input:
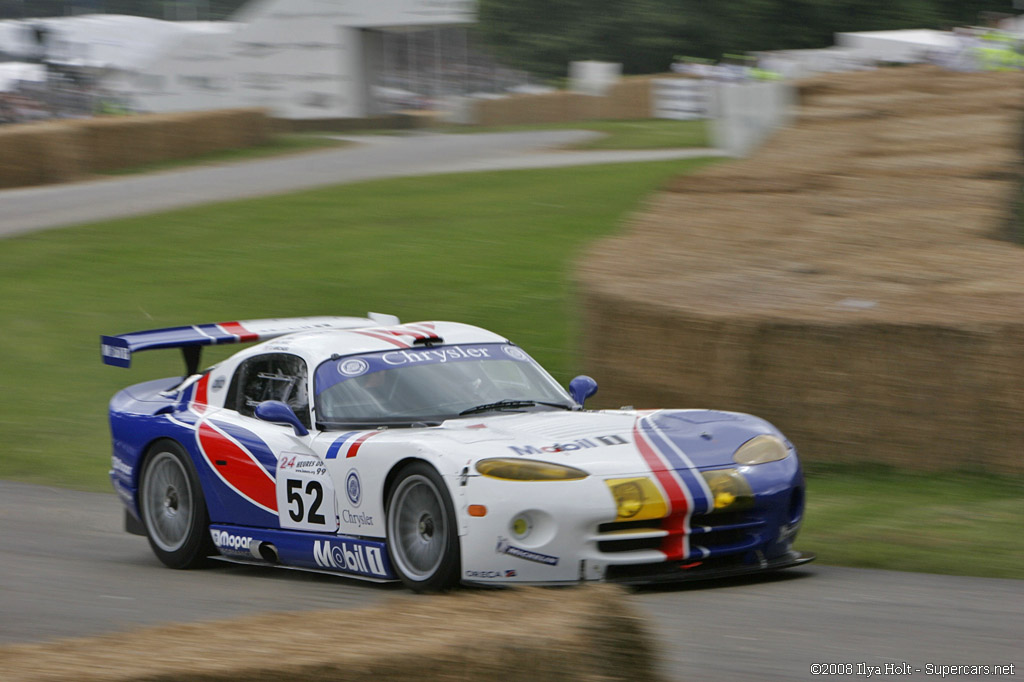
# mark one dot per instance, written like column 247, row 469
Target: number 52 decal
column 305, row 494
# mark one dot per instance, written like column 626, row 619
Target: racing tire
column 422, row 534
column 173, row 508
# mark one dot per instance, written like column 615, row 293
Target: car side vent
column 428, row 341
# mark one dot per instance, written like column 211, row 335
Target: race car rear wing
column 117, row 350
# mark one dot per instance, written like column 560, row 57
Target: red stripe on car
column 353, row 449
column 674, row 545
column 238, row 330
column 240, row 470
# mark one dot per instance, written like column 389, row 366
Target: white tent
column 99, row 41
column 906, row 46
column 11, row 73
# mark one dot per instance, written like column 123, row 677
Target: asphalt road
column 372, row 157
column 68, row 569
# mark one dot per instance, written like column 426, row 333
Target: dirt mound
column 853, row 263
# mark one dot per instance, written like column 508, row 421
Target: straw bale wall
column 586, row 634
column 58, row 151
column 37, row 154
column 847, row 282
column 629, row 98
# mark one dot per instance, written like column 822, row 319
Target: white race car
column 435, row 453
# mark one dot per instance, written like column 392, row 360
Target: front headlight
column 760, row 450
column 637, row 499
column 729, row 489
column 509, row 469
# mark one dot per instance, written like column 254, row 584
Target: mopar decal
column 570, row 446
column 504, row 547
column 349, row 556
column 226, row 541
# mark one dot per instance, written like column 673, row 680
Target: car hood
column 604, row 442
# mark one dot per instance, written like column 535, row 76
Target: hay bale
column 38, row 153
column 59, row 151
column 843, row 282
column 21, row 162
column 629, row 98
column 533, row 635
column 109, row 143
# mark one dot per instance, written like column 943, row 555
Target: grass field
column 494, row 249
column 878, row 517
column 490, row 248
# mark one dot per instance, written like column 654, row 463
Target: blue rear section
column 144, row 413
column 136, row 421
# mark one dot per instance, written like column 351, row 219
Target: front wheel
column 173, row 508
column 423, row 538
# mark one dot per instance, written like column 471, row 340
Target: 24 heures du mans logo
column 570, row 446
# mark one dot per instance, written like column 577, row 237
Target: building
column 301, row 59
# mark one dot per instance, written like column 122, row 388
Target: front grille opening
column 796, row 504
column 631, row 545
column 616, row 526
column 717, row 519
column 616, row 536
column 673, row 570
column 721, row 538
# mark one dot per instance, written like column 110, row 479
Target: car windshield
column 432, row 384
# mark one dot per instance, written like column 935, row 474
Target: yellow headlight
column 637, row 499
column 729, row 489
column 509, row 469
column 759, row 450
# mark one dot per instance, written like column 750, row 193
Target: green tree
column 543, row 36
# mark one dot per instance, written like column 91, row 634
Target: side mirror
column 581, row 388
column 276, row 412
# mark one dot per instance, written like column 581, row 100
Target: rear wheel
column 423, row 538
column 173, row 508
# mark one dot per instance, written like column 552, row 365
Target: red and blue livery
column 435, row 453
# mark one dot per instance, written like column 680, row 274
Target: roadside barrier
column 59, row 151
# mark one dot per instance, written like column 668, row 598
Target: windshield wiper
column 509, row 404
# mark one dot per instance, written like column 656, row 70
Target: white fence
column 681, row 99
column 742, row 114
column 747, row 113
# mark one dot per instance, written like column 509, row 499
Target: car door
column 266, row 474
